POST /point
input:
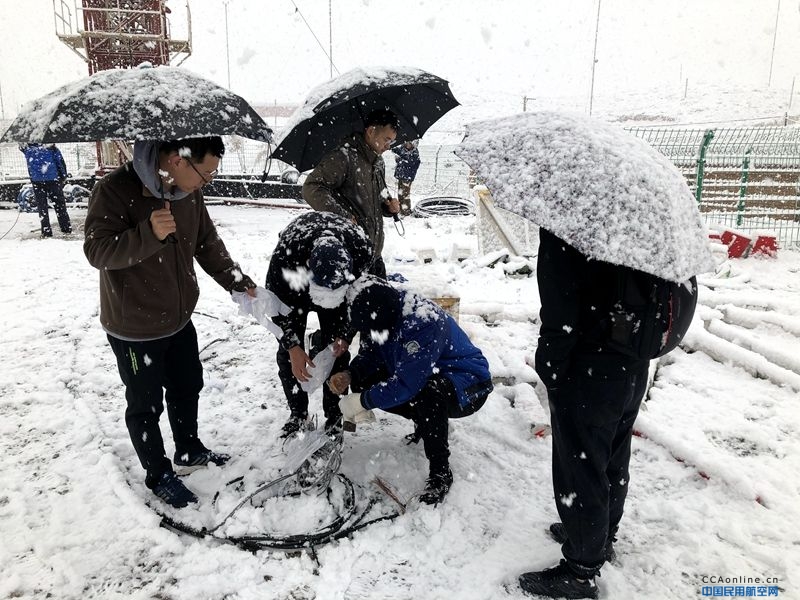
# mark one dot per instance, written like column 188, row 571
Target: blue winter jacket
column 407, row 163
column 45, row 163
column 426, row 341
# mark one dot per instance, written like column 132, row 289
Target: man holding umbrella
column 351, row 181
column 145, row 226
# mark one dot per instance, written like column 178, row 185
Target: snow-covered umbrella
column 592, row 184
column 145, row 103
column 337, row 108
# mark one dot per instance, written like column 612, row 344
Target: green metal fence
column 746, row 179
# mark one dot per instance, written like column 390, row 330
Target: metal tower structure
column 120, row 34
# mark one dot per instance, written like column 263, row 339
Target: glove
column 353, row 411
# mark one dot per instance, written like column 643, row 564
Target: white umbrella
column 597, row 187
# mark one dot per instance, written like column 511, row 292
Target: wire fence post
column 701, row 163
column 743, row 187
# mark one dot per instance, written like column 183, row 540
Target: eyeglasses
column 206, row 179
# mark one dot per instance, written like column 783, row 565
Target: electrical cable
column 297, row 10
column 14, row 224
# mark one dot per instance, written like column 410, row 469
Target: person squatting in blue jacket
column 414, row 361
column 48, row 173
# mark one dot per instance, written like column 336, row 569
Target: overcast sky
column 506, row 49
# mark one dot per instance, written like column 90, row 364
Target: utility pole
column 2, row 109
column 227, row 45
column 774, row 37
column 594, row 57
column 525, row 103
column 330, row 36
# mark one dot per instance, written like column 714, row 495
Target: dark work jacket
column 351, row 181
column 287, row 276
column 148, row 288
column 578, row 296
column 407, row 163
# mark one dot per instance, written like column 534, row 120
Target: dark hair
column 198, row 147
column 381, row 118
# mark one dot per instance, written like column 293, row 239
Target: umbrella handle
column 398, row 225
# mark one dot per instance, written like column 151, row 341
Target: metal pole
column 227, row 45
column 594, row 57
column 791, row 93
column 3, row 110
column 774, row 37
column 330, row 36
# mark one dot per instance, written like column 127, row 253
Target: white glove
column 353, row 411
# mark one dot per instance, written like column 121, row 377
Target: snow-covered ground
column 714, row 473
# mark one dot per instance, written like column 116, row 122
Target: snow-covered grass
column 714, row 472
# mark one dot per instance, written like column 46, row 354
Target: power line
column 325, row 52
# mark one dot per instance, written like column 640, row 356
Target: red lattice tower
column 120, row 34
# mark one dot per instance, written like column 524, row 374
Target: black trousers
column 592, row 421
column 378, row 268
column 429, row 410
column 52, row 192
column 148, row 368
column 295, row 396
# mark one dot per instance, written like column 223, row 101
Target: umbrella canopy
column 602, row 190
column 146, row 103
column 337, row 108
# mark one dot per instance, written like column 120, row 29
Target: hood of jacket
column 145, row 163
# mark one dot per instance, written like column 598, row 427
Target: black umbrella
column 337, row 108
column 161, row 103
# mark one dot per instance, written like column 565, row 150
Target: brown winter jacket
column 148, row 288
column 351, row 181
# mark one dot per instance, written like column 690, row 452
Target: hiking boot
column 172, row 491
column 293, row 425
column 436, row 487
column 201, row 459
column 559, row 534
column 557, row 582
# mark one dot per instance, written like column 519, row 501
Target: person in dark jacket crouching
column 319, row 254
column 414, row 361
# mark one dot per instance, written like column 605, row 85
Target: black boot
column 437, row 486
column 557, row 582
column 293, row 425
column 558, row 532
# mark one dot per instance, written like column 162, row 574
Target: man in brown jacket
column 146, row 224
column 351, row 181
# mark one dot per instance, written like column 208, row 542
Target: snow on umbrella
column 146, row 103
column 599, row 188
column 337, row 108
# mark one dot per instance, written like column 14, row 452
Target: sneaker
column 557, row 582
column 201, row 459
column 436, row 487
column 172, row 491
column 293, row 425
column 559, row 534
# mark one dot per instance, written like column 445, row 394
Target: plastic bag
column 263, row 307
column 319, row 374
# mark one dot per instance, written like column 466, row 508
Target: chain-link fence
column 746, row 179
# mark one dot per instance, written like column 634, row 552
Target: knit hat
column 330, row 263
column 375, row 306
